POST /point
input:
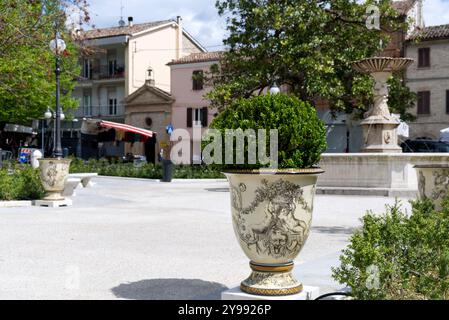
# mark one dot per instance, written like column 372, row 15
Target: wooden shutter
column 204, row 119
column 447, row 101
column 420, row 58
column 197, row 80
column 189, row 118
column 423, row 57
column 424, row 102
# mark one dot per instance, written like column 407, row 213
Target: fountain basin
column 377, row 174
column 382, row 64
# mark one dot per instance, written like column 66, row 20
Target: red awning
column 125, row 127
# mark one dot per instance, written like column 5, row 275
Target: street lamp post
column 48, row 116
column 54, row 171
column 58, row 46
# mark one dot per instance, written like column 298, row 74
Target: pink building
column 190, row 109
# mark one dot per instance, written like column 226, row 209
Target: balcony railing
column 102, row 111
column 103, row 72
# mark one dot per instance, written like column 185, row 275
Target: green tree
column 27, row 79
column 401, row 98
column 306, row 45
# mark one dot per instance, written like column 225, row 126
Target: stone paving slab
column 138, row 239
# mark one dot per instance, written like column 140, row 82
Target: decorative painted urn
column 433, row 183
column 272, row 215
column 54, row 173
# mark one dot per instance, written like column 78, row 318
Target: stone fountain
column 381, row 169
column 379, row 127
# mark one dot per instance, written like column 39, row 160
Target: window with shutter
column 87, row 104
column 189, row 118
column 197, row 80
column 204, row 117
column 447, row 101
column 87, row 69
column 423, row 102
column 423, row 57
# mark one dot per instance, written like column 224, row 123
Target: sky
column 200, row 16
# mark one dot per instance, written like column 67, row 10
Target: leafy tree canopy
column 27, row 79
column 305, row 45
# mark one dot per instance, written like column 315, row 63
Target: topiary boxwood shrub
column 301, row 134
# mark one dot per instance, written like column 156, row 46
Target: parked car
column 425, row 146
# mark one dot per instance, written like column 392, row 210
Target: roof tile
column 431, row 33
column 198, row 57
column 122, row 31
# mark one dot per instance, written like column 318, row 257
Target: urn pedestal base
column 53, row 203
column 380, row 135
column 308, row 293
column 53, row 196
column 271, row 281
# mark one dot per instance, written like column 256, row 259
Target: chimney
column 130, row 21
column 180, row 36
column 420, row 15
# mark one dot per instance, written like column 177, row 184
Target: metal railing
column 104, row 72
column 101, row 111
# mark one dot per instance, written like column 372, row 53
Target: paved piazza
column 137, row 239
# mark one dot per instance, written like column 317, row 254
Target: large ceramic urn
column 272, row 215
column 433, row 183
column 54, row 173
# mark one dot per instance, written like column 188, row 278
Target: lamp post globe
column 275, row 89
column 57, row 45
column 48, row 114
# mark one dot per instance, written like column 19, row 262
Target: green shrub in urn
column 271, row 202
column 301, row 134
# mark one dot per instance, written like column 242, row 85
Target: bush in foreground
column 20, row 183
column 399, row 256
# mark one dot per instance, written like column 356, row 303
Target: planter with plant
column 272, row 207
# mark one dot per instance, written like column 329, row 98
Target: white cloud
column 201, row 18
column 436, row 12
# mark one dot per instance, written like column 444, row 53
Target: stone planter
column 433, row 182
column 54, row 173
column 272, row 215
